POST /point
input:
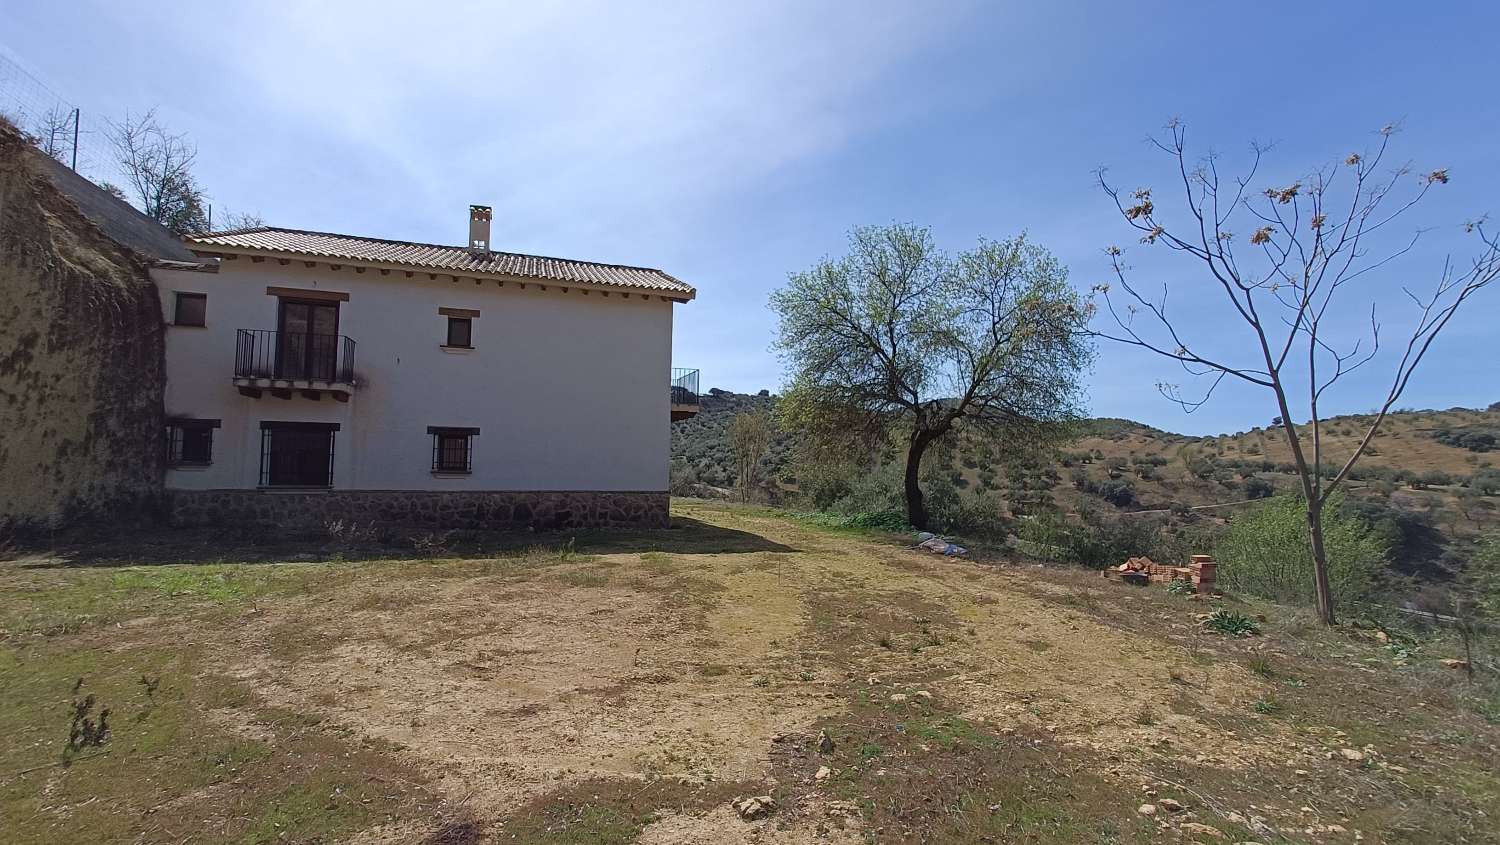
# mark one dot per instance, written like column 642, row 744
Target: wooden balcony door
column 307, row 345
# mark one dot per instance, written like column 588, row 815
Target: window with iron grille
column 191, row 310
column 452, row 449
column 190, row 442
column 296, row 454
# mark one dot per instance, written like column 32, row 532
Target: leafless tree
column 239, row 220
column 1312, row 246
column 53, row 132
column 158, row 169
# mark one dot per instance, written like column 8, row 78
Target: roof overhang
column 414, row 270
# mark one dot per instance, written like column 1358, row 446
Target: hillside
column 1431, row 474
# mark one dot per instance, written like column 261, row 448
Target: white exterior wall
column 569, row 390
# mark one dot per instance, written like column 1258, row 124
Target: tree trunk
column 916, row 512
column 1320, row 563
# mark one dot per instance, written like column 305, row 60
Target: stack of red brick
column 1143, row 570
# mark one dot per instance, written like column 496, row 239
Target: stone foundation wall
column 540, row 511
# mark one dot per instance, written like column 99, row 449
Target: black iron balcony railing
column 684, row 387
column 293, row 356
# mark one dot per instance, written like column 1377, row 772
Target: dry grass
column 625, row 687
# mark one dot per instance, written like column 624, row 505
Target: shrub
column 1486, row 481
column 1095, row 542
column 1231, row 623
column 1436, row 476
column 1266, row 553
column 1258, row 488
column 1119, row 493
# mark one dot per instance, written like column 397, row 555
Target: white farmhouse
column 312, row 377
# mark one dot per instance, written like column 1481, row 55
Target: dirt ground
column 629, row 688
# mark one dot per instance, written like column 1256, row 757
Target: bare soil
column 629, row 687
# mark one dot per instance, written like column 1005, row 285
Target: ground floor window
column 452, row 449
column 296, row 454
column 190, row 442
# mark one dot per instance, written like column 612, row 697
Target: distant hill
column 1415, row 471
column 701, row 444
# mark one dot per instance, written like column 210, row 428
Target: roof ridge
column 370, row 239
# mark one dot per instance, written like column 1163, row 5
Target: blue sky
column 730, row 144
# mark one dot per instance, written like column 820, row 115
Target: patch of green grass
column 948, row 731
column 712, row 670
column 606, row 812
column 1268, row 705
column 168, row 754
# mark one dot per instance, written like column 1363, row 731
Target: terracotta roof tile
column 448, row 259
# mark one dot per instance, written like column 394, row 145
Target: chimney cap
column 479, row 230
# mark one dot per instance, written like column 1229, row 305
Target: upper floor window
column 460, row 327
column 452, row 449
column 460, row 332
column 191, row 309
column 190, row 442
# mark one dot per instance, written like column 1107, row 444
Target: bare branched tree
column 158, row 169
column 239, row 220
column 1312, row 246
column 53, row 133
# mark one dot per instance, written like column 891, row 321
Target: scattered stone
column 1171, row 805
column 921, row 693
column 1196, row 829
column 825, row 742
column 898, row 698
column 1455, row 663
column 824, row 773
column 1147, row 809
column 872, row 681
column 1352, row 755
column 755, row 807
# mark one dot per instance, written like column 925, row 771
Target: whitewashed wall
column 570, row 391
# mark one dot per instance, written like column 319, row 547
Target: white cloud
column 577, row 119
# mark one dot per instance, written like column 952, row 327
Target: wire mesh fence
column 57, row 125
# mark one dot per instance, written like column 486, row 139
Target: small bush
column 1231, row 623
column 1181, row 587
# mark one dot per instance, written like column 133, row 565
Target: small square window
column 452, row 449
column 190, row 442
column 460, row 332
column 192, row 310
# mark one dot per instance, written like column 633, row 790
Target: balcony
column 684, row 391
column 284, row 363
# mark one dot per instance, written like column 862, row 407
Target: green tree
column 750, row 436
column 1287, row 264
column 898, row 340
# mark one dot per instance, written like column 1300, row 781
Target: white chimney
column 479, row 230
